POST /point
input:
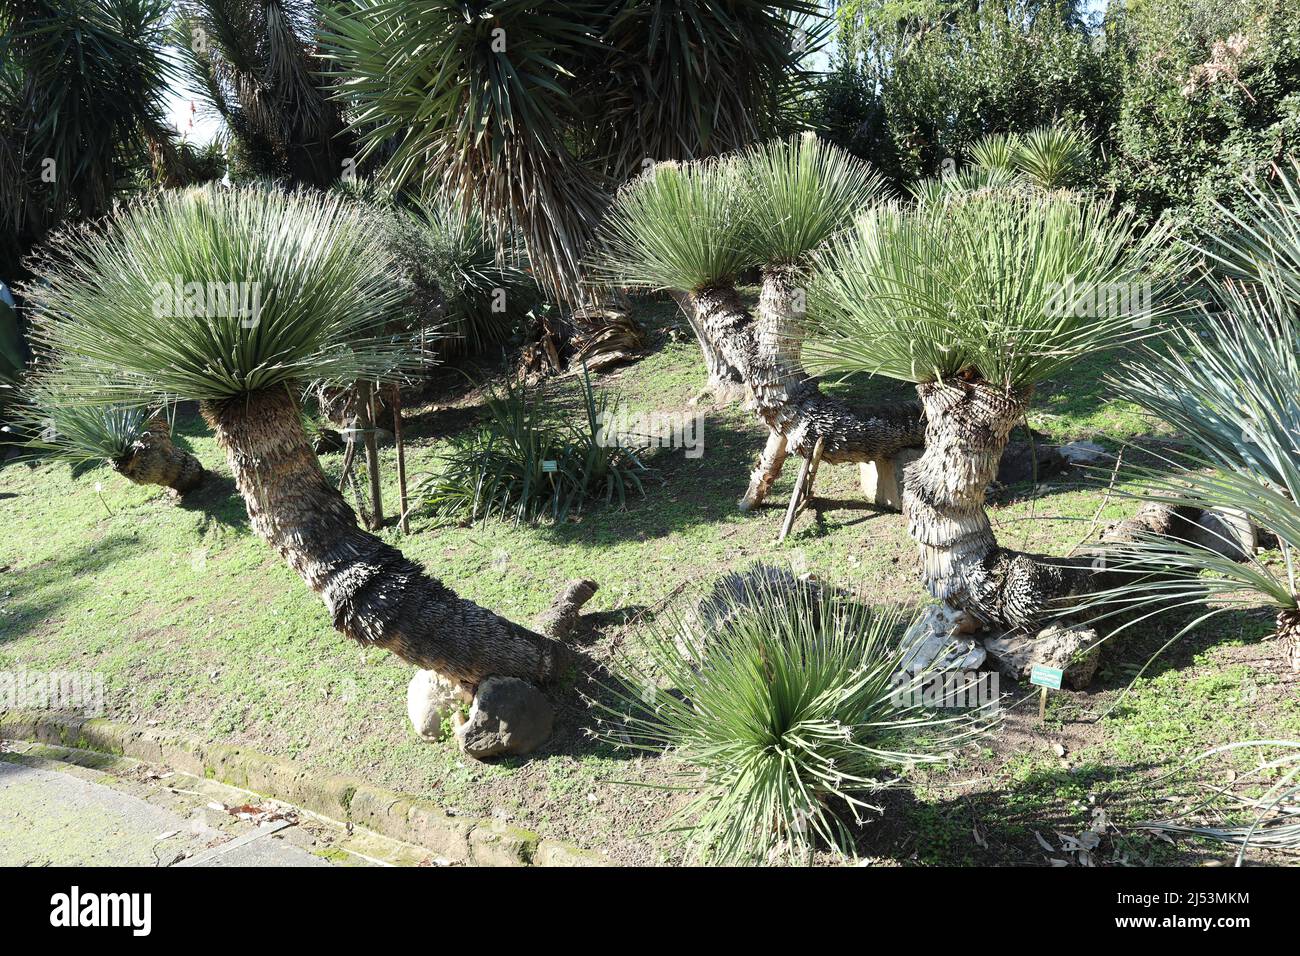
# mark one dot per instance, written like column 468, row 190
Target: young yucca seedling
column 1053, row 157
column 786, row 718
column 996, row 152
column 134, row 440
column 1050, row 157
column 528, row 461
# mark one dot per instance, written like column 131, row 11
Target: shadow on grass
column 1000, row 822
column 1126, row 653
column 218, row 500
column 39, row 592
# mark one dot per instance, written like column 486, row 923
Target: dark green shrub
column 944, row 74
column 531, row 460
column 1212, row 95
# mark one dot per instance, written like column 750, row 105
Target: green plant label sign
column 550, row 466
column 1042, row 676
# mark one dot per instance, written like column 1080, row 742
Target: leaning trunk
column 375, row 595
column 726, row 381
column 792, row 405
column 967, row 425
column 153, row 460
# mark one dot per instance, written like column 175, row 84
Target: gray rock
column 432, row 699
column 1072, row 648
column 1227, row 532
column 937, row 641
column 509, row 716
column 1083, row 452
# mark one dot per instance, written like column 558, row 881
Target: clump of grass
column 531, row 460
column 786, row 718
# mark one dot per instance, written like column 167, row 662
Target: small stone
column 938, row 641
column 1072, row 649
column 430, row 700
column 1082, row 452
column 509, row 716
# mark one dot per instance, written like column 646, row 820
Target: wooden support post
column 366, row 414
column 405, row 520
column 803, row 487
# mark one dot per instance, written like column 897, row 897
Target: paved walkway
column 51, row 817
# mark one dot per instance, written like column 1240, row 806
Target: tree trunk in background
column 374, row 594
column 154, row 460
column 967, row 424
column 766, row 354
column 726, row 382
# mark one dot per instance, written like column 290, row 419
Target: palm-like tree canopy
column 81, row 86
column 536, row 112
column 686, row 79
column 257, row 64
column 208, row 294
column 690, row 226
column 76, row 431
column 798, row 193
column 476, row 101
column 679, row 227
column 998, row 285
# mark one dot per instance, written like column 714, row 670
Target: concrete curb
column 344, row 799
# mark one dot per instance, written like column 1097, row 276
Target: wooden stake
column 366, row 413
column 1042, row 705
column 802, row 489
column 405, row 521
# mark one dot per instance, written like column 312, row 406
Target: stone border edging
column 344, row 799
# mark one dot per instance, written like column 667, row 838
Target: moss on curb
column 400, row 816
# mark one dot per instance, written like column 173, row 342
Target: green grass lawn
column 196, row 626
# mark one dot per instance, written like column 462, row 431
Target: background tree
column 923, row 80
column 684, row 79
column 1210, row 97
column 257, row 64
column 533, row 114
column 81, row 88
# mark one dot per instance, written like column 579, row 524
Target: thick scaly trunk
column 374, row 594
column 726, row 382
column 154, row 460
column 967, row 424
column 1288, row 636
column 793, row 406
